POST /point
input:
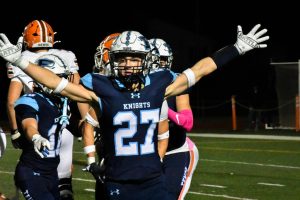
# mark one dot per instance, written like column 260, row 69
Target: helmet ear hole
column 38, row 34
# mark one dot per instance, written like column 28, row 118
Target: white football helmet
column 55, row 64
column 154, row 62
column 132, row 44
column 165, row 51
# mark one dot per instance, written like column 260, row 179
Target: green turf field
column 229, row 168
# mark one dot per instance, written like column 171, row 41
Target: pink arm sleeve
column 183, row 118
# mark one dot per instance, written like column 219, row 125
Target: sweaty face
column 129, row 64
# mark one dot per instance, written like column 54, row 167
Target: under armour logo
column 116, row 192
column 36, row 174
column 135, row 95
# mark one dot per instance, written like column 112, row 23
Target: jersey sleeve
column 26, row 107
column 72, row 62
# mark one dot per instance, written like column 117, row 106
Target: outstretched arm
column 12, row 53
column 207, row 65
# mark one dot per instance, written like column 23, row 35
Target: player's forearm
column 11, row 117
column 162, row 147
column 59, row 85
column 88, row 142
column 42, row 75
column 200, row 69
column 203, row 68
column 30, row 127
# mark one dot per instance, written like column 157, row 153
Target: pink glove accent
column 183, row 118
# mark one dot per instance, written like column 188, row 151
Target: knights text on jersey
column 129, row 124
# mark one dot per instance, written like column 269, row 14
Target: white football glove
column 41, row 145
column 12, row 53
column 8, row 51
column 250, row 41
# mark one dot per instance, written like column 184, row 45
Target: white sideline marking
column 246, row 136
column 215, row 186
column 86, row 180
column 256, row 164
column 271, row 184
column 220, row 195
column 3, row 172
column 89, row 190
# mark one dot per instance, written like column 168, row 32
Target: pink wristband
column 183, row 118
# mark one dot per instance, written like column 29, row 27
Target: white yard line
column 89, row 190
column 214, row 186
column 85, row 180
column 271, row 184
column 4, row 172
column 220, row 195
column 246, row 136
column 256, row 164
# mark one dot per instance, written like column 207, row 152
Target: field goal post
column 288, row 90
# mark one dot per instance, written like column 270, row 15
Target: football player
column 41, row 117
column 92, row 136
column 39, row 40
column 131, row 105
column 182, row 156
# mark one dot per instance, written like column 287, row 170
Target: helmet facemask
column 130, row 69
column 154, row 63
column 165, row 52
column 129, row 59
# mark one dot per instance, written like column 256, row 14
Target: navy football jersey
column 47, row 114
column 129, row 124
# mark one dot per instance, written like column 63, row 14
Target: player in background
column 92, row 136
column 41, row 117
column 182, row 154
column 39, row 40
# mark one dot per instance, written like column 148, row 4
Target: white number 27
column 150, row 117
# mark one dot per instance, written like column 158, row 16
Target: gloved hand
column 250, row 41
column 96, row 170
column 8, row 51
column 41, row 145
column 16, row 139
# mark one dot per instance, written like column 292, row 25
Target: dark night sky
column 83, row 25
